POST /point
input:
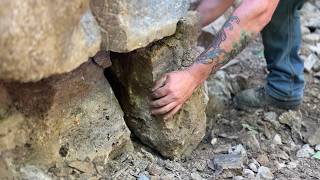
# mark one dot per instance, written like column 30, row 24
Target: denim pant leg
column 282, row 39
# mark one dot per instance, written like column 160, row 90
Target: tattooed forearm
column 216, row 55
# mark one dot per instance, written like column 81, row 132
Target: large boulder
column 42, row 38
column 136, row 73
column 65, row 118
column 131, row 24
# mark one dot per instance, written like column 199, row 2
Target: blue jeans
column 282, row 39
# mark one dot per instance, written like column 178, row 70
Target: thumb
column 160, row 83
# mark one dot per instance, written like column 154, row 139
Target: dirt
column 232, row 128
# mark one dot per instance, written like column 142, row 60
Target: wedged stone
column 42, row 38
column 137, row 72
column 129, row 25
column 69, row 117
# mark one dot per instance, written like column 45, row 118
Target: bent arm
column 244, row 24
column 210, row 10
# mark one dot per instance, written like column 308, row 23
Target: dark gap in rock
column 63, row 151
column 312, row 29
column 116, row 86
column 111, row 77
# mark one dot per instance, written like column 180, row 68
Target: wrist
column 199, row 72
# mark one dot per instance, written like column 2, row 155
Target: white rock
column 264, row 173
column 277, row 140
column 280, row 165
column 238, row 178
column 255, row 162
column 270, row 116
column 311, row 38
column 253, row 167
column 310, row 62
column 305, row 152
column 317, row 148
column 196, row 176
column 292, row 165
column 248, row 173
column 238, row 149
column 214, row 141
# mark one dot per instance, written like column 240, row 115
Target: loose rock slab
column 69, row 117
column 137, row 72
column 132, row 24
column 42, row 38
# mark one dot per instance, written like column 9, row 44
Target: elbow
column 264, row 12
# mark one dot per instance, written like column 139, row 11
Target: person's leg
column 281, row 39
column 285, row 82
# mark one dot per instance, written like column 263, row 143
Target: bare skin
column 172, row 90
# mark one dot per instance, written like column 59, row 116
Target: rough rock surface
column 221, row 88
column 128, row 25
column 137, row 72
column 42, row 38
column 68, row 117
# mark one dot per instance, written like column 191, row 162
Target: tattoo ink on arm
column 216, row 55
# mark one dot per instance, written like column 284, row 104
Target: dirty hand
column 171, row 91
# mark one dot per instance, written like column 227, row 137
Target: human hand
column 171, row 91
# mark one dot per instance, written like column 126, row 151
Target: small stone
column 280, row 165
column 310, row 62
column 250, row 141
column 311, row 38
column 154, row 169
column 196, row 176
column 253, row 167
column 83, row 166
column 263, row 159
column 292, row 165
column 227, row 161
column 143, row 177
column 317, row 148
column 294, row 120
column 200, row 166
column 264, row 173
column 167, row 177
column 223, row 148
column 277, row 140
column 238, row 178
column 148, row 155
column 305, row 152
column 102, row 58
column 248, row 173
column 213, row 141
column 272, row 118
column 239, row 149
column 155, row 178
column 282, row 155
column 316, row 66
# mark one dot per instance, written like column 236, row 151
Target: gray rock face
column 264, row 173
column 69, row 117
column 128, row 25
column 228, row 161
column 314, row 138
column 42, row 38
column 221, row 87
column 305, row 152
column 137, row 72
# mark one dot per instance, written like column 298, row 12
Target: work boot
column 258, row 98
